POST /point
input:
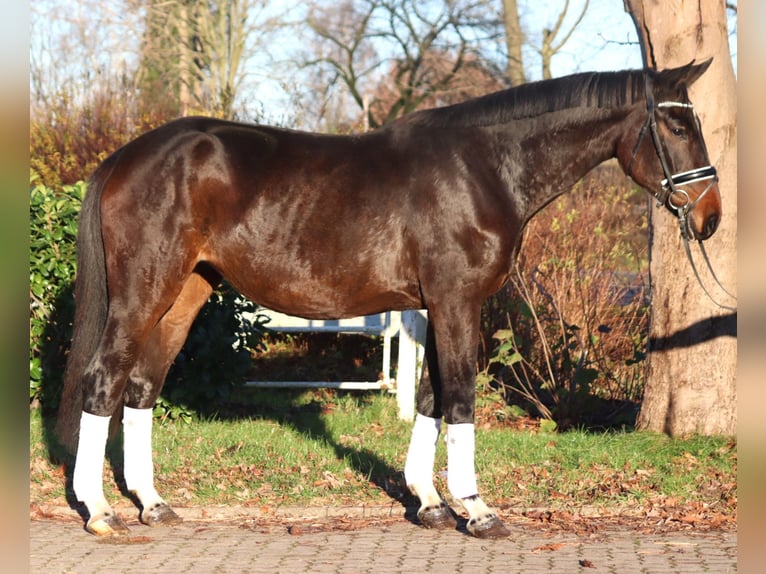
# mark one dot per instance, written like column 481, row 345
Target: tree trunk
column 691, row 373
column 514, row 39
column 184, row 61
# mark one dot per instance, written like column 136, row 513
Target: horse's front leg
column 455, row 334
column 418, row 469
column 418, row 473
column 461, row 481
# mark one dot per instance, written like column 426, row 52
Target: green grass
column 318, row 448
column 615, row 469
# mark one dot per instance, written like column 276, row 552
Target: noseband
column 670, row 187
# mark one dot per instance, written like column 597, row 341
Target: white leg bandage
column 461, row 475
column 88, row 478
column 420, row 457
column 137, row 446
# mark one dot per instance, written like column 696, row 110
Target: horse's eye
column 679, row 132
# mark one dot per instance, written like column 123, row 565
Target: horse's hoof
column 160, row 515
column 487, row 527
column 437, row 517
column 107, row 525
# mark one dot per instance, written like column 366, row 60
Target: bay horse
column 426, row 212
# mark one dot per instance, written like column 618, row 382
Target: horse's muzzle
column 701, row 222
column 699, row 217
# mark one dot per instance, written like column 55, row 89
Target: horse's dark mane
column 590, row 89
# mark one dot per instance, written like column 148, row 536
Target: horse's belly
column 322, row 291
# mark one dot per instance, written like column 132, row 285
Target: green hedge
column 215, row 358
column 52, row 265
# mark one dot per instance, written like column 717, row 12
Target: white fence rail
column 408, row 326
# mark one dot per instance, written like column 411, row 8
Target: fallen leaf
column 541, row 515
column 587, row 564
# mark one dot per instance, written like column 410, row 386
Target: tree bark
column 691, row 372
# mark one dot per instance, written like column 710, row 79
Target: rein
column 669, row 187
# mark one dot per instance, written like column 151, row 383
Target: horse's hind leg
column 104, row 383
column 134, row 325
column 144, row 385
column 87, row 481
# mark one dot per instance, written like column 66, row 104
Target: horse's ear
column 696, row 70
column 683, row 76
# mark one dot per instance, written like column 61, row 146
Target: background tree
column 559, row 27
column 102, row 72
column 192, row 53
column 164, row 76
column 359, row 41
column 83, row 102
column 474, row 78
column 514, row 41
column 691, row 377
column 555, row 38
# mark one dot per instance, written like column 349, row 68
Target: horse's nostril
column 711, row 224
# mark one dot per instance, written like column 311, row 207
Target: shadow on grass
column 289, row 409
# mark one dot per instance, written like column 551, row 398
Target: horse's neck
column 558, row 151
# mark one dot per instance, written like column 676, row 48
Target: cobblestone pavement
column 59, row 544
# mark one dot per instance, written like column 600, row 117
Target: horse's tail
column 91, row 305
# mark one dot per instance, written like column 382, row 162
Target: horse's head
column 664, row 151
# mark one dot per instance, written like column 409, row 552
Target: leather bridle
column 671, row 188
